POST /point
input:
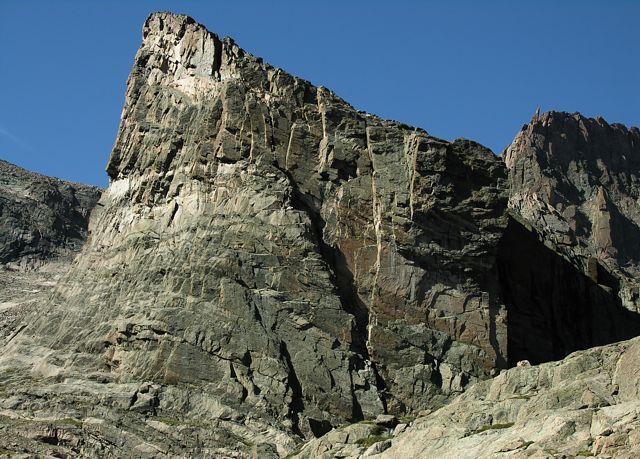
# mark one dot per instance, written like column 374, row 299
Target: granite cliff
column 586, row 405
column 566, row 268
column 576, row 180
column 269, row 263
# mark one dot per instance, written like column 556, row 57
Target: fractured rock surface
column 22, row 292
column 577, row 181
column 43, row 224
column 264, row 246
column 269, row 263
column 41, row 217
column 586, row 405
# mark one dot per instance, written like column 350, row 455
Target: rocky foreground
column 272, row 272
column 585, row 405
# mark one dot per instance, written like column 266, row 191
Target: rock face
column 577, row 181
column 264, row 246
column 43, row 224
column 41, row 217
column 269, row 263
column 585, row 405
column 401, row 227
column 575, row 186
column 22, row 292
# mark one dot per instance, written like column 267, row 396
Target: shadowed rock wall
column 577, row 181
column 40, row 216
column 554, row 308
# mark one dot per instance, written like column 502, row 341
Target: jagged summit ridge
column 577, row 180
column 184, row 56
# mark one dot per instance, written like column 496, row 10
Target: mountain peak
column 269, row 263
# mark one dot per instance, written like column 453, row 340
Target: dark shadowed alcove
column 553, row 308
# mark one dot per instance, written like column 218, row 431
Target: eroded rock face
column 43, row 224
column 268, row 263
column 585, row 405
column 41, row 217
column 577, row 181
column 268, row 247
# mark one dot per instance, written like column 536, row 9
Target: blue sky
column 474, row 69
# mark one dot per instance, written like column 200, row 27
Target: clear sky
column 475, row 69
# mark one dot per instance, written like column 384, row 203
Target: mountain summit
column 269, row 263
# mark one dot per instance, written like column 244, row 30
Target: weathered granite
column 585, row 405
column 41, row 217
column 23, row 292
column 269, row 263
column 43, row 224
column 267, row 246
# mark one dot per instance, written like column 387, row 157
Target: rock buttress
column 269, row 259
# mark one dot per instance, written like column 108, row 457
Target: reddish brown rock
column 577, row 181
